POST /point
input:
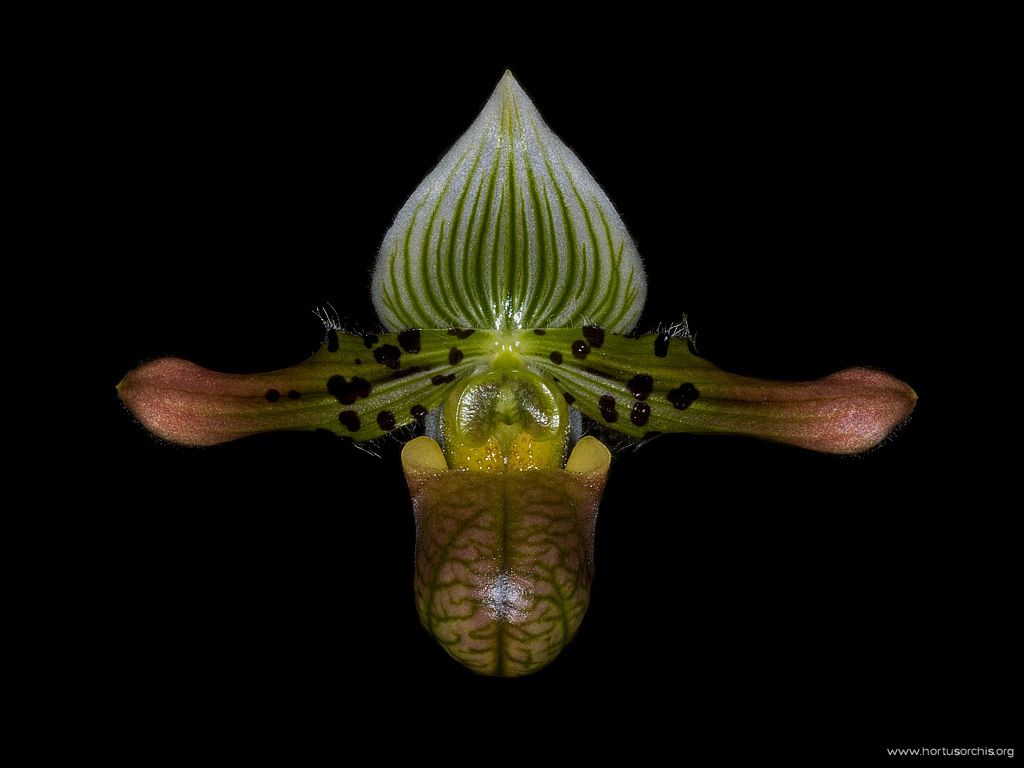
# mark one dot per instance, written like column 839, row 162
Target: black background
column 747, row 594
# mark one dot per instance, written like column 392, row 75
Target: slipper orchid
column 509, row 288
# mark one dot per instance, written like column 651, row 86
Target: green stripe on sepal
column 510, row 230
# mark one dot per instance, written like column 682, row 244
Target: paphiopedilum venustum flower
column 509, row 288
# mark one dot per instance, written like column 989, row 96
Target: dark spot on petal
column 580, row 349
column 607, row 405
column 294, row 394
column 369, row 340
column 410, row 341
column 439, row 379
column 594, row 335
column 358, row 361
column 556, row 357
column 387, row 354
column 539, row 331
column 349, row 419
column 683, row 397
column 641, row 386
column 273, row 395
column 455, row 356
column 596, row 372
column 554, row 379
column 661, row 344
column 346, row 391
column 419, row 413
column 407, row 372
column 386, row 420
column 640, row 413
column 568, row 398
column 332, row 341
column 461, row 333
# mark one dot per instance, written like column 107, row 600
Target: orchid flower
column 509, row 289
